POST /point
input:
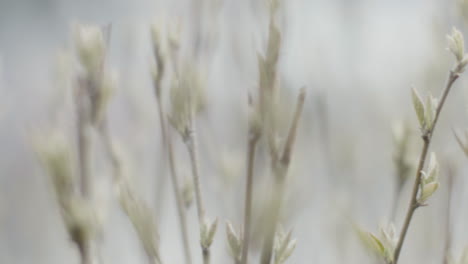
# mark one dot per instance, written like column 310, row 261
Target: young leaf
column 418, row 107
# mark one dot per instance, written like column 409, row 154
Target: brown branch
column 252, row 143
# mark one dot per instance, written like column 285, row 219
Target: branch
column 427, row 136
column 280, row 169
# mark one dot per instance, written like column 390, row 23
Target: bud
column 187, row 193
column 207, row 232
column 433, row 169
column 382, row 247
column 90, row 45
column 431, row 106
column 141, row 217
column 419, row 108
column 55, row 154
column 160, row 58
column 284, row 246
column 429, row 183
column 180, row 114
column 80, row 219
column 456, row 44
column 427, row 191
column 235, row 242
column 462, row 65
column 389, row 240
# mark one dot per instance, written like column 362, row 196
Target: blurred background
column 357, row 60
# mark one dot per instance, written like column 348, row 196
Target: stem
column 153, row 260
column 175, row 187
column 167, row 143
column 448, row 240
column 191, row 143
column 280, row 167
column 84, row 170
column 109, row 148
column 252, row 143
column 83, row 121
column 85, row 252
column 157, row 83
column 206, row 256
column 175, row 183
column 427, row 136
column 274, row 213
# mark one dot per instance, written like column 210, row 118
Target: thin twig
column 448, row 222
column 109, row 148
column 192, row 148
column 273, row 212
column 84, row 170
column 427, row 136
column 85, row 252
column 206, row 255
column 280, row 169
column 167, row 144
column 191, row 143
column 83, row 119
column 175, row 185
column 252, row 143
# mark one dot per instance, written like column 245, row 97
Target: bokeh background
column 357, row 59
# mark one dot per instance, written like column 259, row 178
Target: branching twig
column 191, row 143
column 158, row 74
column 175, row 184
column 427, row 136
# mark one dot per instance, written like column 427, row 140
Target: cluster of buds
column 456, row 45
column 187, row 98
column 181, row 108
column 267, row 69
column 429, row 181
column 383, row 245
column 284, row 246
column 90, row 47
column 389, row 240
column 78, row 213
column 141, row 217
column 425, row 111
column 235, row 241
column 97, row 83
column 207, row 232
